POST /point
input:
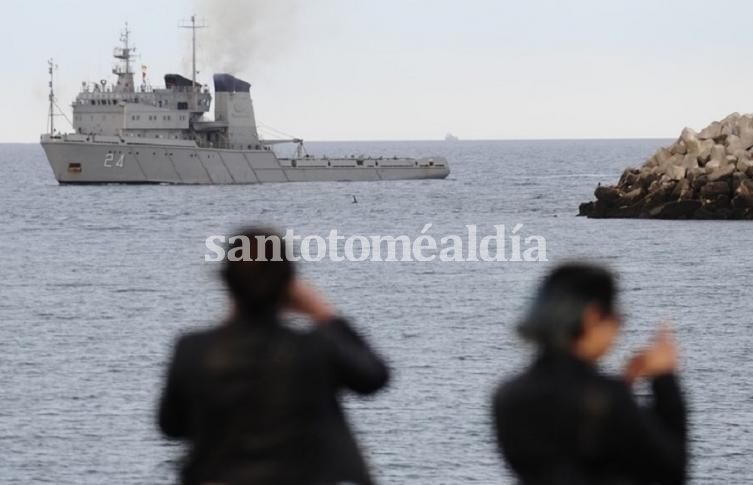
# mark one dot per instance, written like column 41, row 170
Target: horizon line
column 422, row 140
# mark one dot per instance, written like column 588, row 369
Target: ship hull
column 101, row 162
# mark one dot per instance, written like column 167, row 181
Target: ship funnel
column 232, row 104
column 230, row 84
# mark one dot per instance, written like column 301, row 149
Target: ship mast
column 193, row 26
column 51, row 69
column 126, row 49
column 123, row 70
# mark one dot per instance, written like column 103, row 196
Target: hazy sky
column 408, row 69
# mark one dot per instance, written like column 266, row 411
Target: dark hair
column 554, row 320
column 259, row 287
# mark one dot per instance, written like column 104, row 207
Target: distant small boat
column 450, row 137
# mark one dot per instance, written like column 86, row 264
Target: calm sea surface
column 97, row 281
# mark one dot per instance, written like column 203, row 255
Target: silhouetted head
column 257, row 271
column 575, row 311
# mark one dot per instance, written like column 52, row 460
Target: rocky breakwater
column 704, row 175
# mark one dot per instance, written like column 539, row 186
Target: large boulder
column 681, row 209
column 744, row 165
column 704, row 152
column 723, row 171
column 712, row 189
column 676, row 172
column 607, row 195
column 743, row 195
column 718, row 154
column 714, row 130
column 678, row 148
column 690, row 140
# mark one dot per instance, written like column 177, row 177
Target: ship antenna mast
column 126, row 49
column 193, row 26
column 123, row 69
column 51, row 69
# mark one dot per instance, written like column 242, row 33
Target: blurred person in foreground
column 258, row 402
column 562, row 421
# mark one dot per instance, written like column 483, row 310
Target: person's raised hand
column 659, row 358
column 306, row 300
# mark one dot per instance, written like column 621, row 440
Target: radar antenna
column 193, row 26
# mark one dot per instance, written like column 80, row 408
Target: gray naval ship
column 125, row 134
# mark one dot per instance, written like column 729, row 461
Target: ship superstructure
column 124, row 133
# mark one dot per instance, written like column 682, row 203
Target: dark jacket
column 258, row 403
column 561, row 422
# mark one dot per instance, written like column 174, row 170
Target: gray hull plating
column 111, row 162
